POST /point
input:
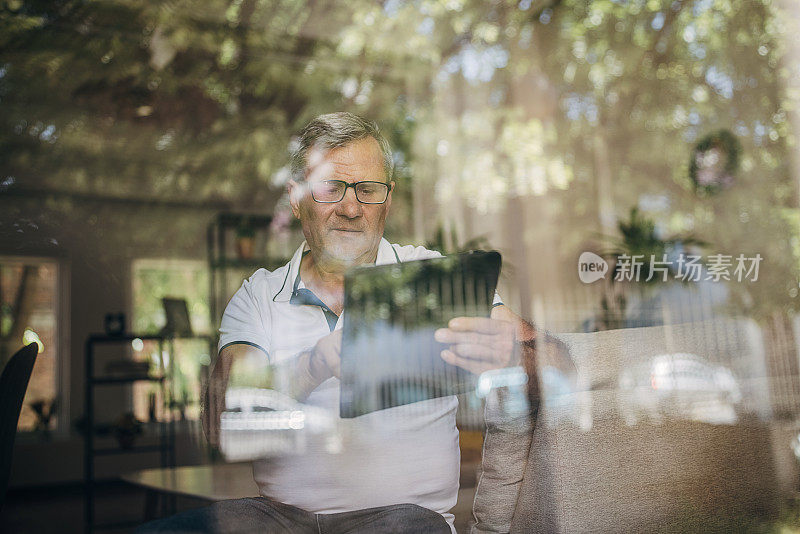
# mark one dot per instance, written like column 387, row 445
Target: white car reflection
column 496, row 378
column 681, row 386
column 258, row 423
column 557, row 391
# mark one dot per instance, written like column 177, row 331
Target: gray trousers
column 263, row 515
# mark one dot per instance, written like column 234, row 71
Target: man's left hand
column 479, row 344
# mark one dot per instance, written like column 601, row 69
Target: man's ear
column 389, row 197
column 295, row 194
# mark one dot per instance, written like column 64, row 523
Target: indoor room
column 196, row 312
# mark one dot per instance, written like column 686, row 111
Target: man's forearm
column 214, row 397
column 296, row 377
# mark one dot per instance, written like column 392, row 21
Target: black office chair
column 13, row 383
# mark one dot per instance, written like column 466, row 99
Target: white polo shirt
column 406, row 454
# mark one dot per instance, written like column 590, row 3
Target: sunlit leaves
column 146, row 98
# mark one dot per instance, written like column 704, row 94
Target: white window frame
column 155, row 263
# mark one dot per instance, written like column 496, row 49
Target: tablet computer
column 389, row 355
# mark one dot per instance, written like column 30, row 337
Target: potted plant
column 245, row 241
column 126, row 429
column 44, row 410
column 637, row 237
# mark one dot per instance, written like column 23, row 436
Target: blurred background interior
column 144, row 151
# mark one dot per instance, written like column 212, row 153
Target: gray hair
column 334, row 130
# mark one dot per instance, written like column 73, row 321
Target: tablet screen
column 389, row 354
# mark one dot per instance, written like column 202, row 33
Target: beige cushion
column 589, row 472
column 687, row 476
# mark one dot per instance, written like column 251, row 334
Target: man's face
column 348, row 232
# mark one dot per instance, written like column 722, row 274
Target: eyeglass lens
column 334, row 190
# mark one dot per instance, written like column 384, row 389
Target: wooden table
column 215, row 482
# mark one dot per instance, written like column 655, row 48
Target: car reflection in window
column 259, row 423
column 679, row 386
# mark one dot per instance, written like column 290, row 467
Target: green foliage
column 639, row 234
column 439, row 243
column 639, row 237
column 724, row 145
column 483, row 101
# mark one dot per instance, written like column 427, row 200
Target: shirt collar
column 386, row 254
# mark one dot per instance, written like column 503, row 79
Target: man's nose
column 349, row 206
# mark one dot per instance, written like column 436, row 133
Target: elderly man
column 398, row 469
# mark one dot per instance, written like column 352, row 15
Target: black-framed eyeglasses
column 367, row 192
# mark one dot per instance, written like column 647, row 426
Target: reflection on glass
column 389, row 354
column 261, row 423
column 679, row 385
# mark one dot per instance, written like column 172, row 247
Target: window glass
column 29, row 313
column 154, row 279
